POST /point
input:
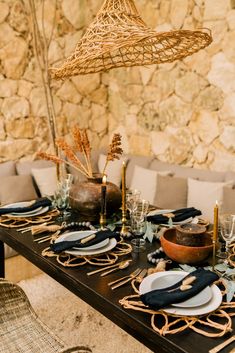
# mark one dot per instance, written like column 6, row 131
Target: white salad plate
column 161, row 212
column 37, row 211
column 27, row 212
column 204, row 302
column 31, row 214
column 99, row 248
column 18, row 204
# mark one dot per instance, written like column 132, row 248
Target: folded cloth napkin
column 43, row 202
column 161, row 298
column 179, row 216
column 99, row 236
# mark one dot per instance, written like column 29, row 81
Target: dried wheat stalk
column 81, row 144
column 115, row 150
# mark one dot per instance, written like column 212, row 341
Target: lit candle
column 215, row 227
column 103, row 195
column 123, row 187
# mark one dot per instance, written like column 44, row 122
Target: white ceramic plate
column 18, row 204
column 159, row 212
column 33, row 213
column 27, row 212
column 100, row 248
column 204, row 302
column 71, row 236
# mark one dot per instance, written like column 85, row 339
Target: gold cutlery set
column 137, row 274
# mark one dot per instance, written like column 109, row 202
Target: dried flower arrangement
column 81, row 144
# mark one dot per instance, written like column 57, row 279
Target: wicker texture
column 20, row 329
column 119, row 37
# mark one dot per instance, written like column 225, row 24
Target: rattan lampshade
column 119, row 37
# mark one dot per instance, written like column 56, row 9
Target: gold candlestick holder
column 124, row 231
column 214, row 255
column 102, row 221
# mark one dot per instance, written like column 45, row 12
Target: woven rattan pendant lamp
column 118, row 37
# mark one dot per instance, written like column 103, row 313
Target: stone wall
column 182, row 112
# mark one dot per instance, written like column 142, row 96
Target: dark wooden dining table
column 95, row 291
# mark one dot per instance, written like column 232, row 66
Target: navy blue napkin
column 179, row 216
column 43, row 202
column 161, row 298
column 65, row 245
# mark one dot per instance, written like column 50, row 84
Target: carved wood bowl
column 185, row 254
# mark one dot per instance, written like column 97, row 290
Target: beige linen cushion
column 24, row 168
column 7, row 168
column 186, row 172
column 171, row 192
column 46, row 180
column 17, row 188
column 203, row 196
column 228, row 205
column 113, row 170
column 133, row 160
column 145, row 180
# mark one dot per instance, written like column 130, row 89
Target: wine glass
column 132, row 199
column 227, row 229
column 138, row 218
column 61, row 196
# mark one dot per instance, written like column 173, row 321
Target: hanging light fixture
column 118, row 37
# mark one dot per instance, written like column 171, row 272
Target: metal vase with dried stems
column 118, row 37
column 41, row 45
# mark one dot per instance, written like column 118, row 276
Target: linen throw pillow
column 228, row 205
column 113, row 170
column 7, row 168
column 46, row 180
column 203, row 196
column 145, row 180
column 17, row 188
column 171, row 192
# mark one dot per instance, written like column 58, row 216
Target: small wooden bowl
column 185, row 254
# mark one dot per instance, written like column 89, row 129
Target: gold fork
column 141, row 276
column 130, row 278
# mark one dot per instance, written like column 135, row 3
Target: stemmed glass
column 132, row 199
column 227, row 229
column 61, row 196
column 138, row 225
column 138, row 218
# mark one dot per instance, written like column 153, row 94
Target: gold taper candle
column 124, row 186
column 215, row 227
column 215, row 233
column 124, row 231
column 103, row 202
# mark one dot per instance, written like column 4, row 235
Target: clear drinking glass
column 227, row 229
column 138, row 218
column 61, row 197
column 132, row 199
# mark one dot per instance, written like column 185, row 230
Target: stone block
column 4, row 11
column 8, row 88
column 15, row 107
column 14, row 58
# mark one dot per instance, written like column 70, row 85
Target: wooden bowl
column 185, row 254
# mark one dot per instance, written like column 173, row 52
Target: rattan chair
column 20, row 328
